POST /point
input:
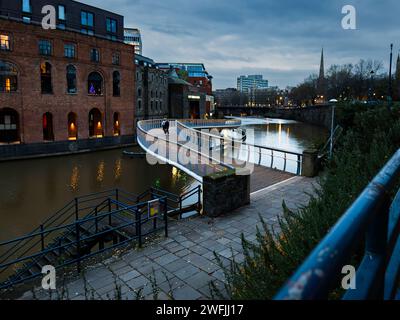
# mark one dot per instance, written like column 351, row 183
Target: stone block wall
column 225, row 192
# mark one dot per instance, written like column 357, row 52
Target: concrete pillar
column 310, row 163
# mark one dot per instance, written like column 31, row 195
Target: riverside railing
column 136, row 220
column 373, row 220
column 196, row 164
column 274, row 158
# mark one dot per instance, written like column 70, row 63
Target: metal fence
column 373, row 220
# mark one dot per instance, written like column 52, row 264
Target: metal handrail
column 373, row 215
column 233, row 144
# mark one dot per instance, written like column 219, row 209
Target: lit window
column 8, row 77
column 4, row 42
column 95, row 84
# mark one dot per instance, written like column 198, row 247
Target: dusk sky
column 280, row 39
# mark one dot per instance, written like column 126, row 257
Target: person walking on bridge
column 167, row 127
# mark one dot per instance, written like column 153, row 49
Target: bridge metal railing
column 196, row 163
column 373, row 220
column 275, row 158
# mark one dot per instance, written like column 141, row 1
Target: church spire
column 321, row 79
column 322, row 66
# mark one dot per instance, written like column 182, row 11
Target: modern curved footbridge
column 197, row 148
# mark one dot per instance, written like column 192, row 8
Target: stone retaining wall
column 225, row 192
column 33, row 150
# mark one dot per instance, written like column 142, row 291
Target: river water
column 31, row 190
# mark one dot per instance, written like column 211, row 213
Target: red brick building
column 58, row 85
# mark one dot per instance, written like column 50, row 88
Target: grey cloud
column 281, row 39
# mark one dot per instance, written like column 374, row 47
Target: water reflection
column 74, row 182
column 100, row 172
column 31, row 190
column 117, row 169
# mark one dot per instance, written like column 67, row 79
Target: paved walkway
column 186, row 258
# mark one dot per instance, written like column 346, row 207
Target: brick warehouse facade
column 42, row 101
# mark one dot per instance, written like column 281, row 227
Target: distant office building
column 197, row 75
column 252, row 82
column 132, row 37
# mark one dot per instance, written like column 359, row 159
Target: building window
column 95, row 55
column 26, row 19
column 5, row 42
column 151, row 105
column 139, row 92
column 26, row 6
column 116, row 84
column 139, row 104
column 87, row 31
column 70, row 50
column 71, row 79
column 61, row 13
column 8, row 77
column 116, row 59
column 112, row 37
column 95, row 124
column 48, row 132
column 9, row 126
column 117, row 125
column 45, row 47
column 95, row 84
column 111, row 25
column 87, row 19
column 72, row 126
column 45, row 78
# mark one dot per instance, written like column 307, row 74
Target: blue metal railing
column 373, row 217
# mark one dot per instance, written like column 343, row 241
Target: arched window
column 95, row 84
column 71, row 79
column 48, row 132
column 117, row 125
column 116, row 84
column 45, row 78
column 95, row 124
column 72, row 126
column 139, row 104
column 9, row 126
column 8, row 77
column 139, row 92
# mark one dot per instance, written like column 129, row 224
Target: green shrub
column 372, row 136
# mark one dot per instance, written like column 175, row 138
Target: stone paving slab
column 184, row 264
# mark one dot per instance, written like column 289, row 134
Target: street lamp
column 390, row 76
column 333, row 102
